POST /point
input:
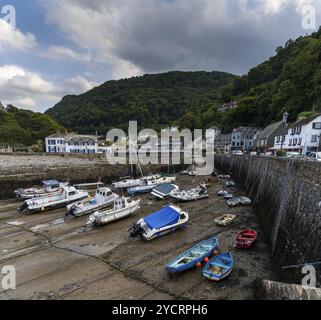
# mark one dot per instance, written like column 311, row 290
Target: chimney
column 285, row 117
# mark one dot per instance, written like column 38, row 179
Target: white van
column 315, row 155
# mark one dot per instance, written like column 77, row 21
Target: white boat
column 66, row 196
column 228, row 196
column 230, row 184
column 103, row 198
column 160, row 223
column 197, row 193
column 225, row 220
column 233, row 202
column 245, row 201
column 164, row 190
column 149, row 185
column 222, row 193
column 129, row 182
column 49, row 188
column 192, row 173
column 123, row 207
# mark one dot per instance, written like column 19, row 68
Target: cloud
column 13, row 39
column 61, row 53
column 27, row 89
column 78, row 84
column 139, row 36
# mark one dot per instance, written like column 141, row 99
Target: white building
column 303, row 136
column 72, row 143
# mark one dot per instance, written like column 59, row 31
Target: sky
column 51, row 48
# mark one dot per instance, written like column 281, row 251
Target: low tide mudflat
column 58, row 260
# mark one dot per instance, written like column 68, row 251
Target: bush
column 280, row 153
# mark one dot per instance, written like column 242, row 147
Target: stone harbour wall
column 286, row 194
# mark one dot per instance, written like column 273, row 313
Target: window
column 317, row 125
column 298, row 130
column 295, row 141
column 292, row 131
column 314, row 138
column 278, row 139
column 300, row 141
column 72, row 193
column 290, row 142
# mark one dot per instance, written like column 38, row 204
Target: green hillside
column 18, row 126
column 153, row 100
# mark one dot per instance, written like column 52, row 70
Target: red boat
column 245, row 239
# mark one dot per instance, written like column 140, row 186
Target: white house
column 72, row 143
column 303, row 136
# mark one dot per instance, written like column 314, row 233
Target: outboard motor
column 23, row 207
column 135, row 231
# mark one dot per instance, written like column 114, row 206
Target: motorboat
column 228, row 196
column 160, row 223
column 233, row 202
column 245, row 201
column 67, row 195
column 222, row 193
column 123, row 207
column 48, row 188
column 130, row 182
column 194, row 194
column 149, row 185
column 164, row 190
column 230, row 183
column 103, row 198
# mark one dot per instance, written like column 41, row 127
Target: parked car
column 292, row 155
column 315, row 156
column 238, row 152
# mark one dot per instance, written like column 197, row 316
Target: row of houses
column 302, row 137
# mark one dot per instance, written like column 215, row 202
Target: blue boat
column 219, row 267
column 191, row 257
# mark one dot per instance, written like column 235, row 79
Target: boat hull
column 223, row 262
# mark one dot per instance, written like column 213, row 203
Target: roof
column 270, row 129
column 57, row 135
column 74, row 136
column 304, row 121
column 50, row 183
column 162, row 218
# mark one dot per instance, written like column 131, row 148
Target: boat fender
column 215, row 252
column 198, row 265
column 206, row 259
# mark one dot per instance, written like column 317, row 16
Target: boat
column 219, row 267
column 245, row 201
column 193, row 256
column 222, row 193
column 225, row 220
column 224, row 176
column 184, row 173
column 230, row 183
column 228, row 196
column 233, row 202
column 130, row 182
column 194, row 194
column 245, row 239
column 103, row 198
column 49, row 188
column 123, row 207
column 158, row 224
column 149, row 185
column 67, row 195
column 192, row 173
column 164, row 190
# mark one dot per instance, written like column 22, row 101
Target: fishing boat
column 233, row 202
column 130, row 182
column 219, row 267
column 123, row 207
column 49, row 188
column 66, row 196
column 230, row 184
column 225, row 220
column 245, row 239
column 158, row 224
column 164, row 190
column 245, row 201
column 103, row 198
column 194, row 194
column 149, row 185
column 193, row 256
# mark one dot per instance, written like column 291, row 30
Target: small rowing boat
column 189, row 195
column 233, row 202
column 219, row 267
column 225, row 220
column 245, row 239
column 194, row 256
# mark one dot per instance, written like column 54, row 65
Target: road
column 58, row 260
